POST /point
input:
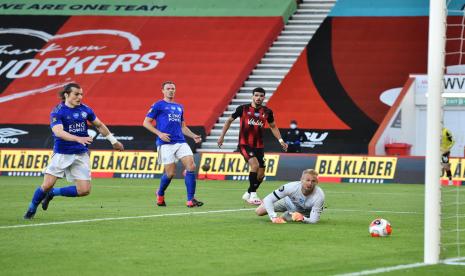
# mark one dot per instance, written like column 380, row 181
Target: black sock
column 259, row 181
column 449, row 174
column 253, row 182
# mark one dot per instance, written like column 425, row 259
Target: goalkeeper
column 447, row 142
column 300, row 201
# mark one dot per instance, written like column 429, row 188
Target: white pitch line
column 370, row 193
column 180, row 214
column 374, row 211
column 384, row 269
column 452, row 261
column 124, row 218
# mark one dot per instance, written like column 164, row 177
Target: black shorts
column 445, row 158
column 249, row 152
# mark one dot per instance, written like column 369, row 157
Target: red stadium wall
column 121, row 70
column 297, row 96
column 334, row 87
column 372, row 55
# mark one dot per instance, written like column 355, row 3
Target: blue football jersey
column 168, row 118
column 74, row 121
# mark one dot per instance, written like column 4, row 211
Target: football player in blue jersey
column 171, row 144
column 70, row 158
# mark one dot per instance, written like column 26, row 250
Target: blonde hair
column 310, row 172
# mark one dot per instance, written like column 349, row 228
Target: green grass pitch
column 118, row 230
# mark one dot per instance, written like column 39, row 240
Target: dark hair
column 259, row 89
column 167, row 82
column 67, row 89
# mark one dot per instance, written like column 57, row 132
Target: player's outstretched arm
column 274, row 129
column 226, row 126
column 103, row 129
column 315, row 214
column 268, row 203
column 187, row 132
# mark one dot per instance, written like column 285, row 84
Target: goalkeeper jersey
column 311, row 206
column 447, row 141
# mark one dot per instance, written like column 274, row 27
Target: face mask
column 293, row 126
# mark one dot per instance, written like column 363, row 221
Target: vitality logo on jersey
column 6, row 133
column 254, row 122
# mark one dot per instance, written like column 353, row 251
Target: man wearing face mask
column 294, row 137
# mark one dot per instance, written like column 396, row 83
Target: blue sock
column 164, row 182
column 39, row 194
column 189, row 179
column 70, row 191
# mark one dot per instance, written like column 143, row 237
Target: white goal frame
column 436, row 59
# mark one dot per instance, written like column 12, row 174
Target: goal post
column 436, row 59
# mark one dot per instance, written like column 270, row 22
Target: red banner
column 121, row 61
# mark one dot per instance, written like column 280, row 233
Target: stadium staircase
column 272, row 68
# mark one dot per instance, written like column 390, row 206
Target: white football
column 380, row 228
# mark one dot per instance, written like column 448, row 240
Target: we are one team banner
column 150, row 8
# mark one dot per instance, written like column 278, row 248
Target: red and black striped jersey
column 252, row 122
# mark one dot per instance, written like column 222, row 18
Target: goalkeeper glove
column 296, row 216
column 279, row 220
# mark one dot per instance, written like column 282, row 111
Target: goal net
column 452, row 237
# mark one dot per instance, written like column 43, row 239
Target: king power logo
column 60, row 58
column 6, row 133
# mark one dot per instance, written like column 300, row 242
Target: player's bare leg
column 82, row 188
